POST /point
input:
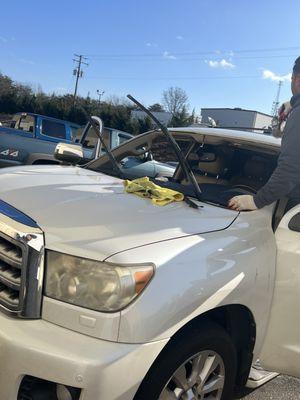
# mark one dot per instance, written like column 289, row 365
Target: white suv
column 105, row 296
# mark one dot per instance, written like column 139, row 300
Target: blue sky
column 219, row 52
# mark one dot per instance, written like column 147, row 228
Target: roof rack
column 244, row 128
column 267, row 130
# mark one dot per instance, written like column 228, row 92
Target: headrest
column 217, row 167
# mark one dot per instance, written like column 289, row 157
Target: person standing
column 285, row 180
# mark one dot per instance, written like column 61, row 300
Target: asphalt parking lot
column 281, row 388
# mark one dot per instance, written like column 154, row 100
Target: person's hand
column 242, row 203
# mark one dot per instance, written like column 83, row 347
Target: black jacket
column 285, row 180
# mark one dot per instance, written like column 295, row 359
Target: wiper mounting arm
column 98, row 132
column 109, row 153
column 183, row 162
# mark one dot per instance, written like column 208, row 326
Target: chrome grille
column 21, row 263
column 12, row 257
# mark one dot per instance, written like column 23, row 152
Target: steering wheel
column 244, row 187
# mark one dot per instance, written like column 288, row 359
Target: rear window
column 24, row 123
column 53, row 129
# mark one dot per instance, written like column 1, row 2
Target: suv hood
column 87, row 214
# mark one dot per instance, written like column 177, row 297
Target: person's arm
column 287, row 174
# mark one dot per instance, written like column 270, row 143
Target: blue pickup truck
column 32, row 138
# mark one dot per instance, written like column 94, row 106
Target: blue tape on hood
column 16, row 215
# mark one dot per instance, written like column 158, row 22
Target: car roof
column 232, row 134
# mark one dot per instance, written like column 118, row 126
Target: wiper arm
column 98, row 132
column 183, row 162
column 112, row 158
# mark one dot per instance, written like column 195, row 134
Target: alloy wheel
column 201, row 377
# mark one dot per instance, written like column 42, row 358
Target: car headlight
column 92, row 284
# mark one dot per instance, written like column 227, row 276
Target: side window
column 53, row 129
column 76, row 133
column 91, row 138
column 25, row 123
column 117, row 138
column 15, row 121
column 123, row 138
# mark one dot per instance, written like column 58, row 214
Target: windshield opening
column 222, row 169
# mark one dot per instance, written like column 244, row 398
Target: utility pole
column 276, row 101
column 100, row 94
column 79, row 60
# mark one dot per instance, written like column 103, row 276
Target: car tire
column 175, row 368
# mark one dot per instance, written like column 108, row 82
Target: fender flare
column 33, row 158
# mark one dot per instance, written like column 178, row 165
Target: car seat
column 256, row 171
column 212, row 171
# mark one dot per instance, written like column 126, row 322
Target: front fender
column 198, row 273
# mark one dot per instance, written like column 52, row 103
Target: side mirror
column 68, row 153
column 294, row 224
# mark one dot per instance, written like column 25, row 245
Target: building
column 236, row 118
column 164, row 117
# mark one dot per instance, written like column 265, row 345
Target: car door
column 281, row 349
column 136, row 167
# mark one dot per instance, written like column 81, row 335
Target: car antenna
column 184, row 164
column 98, row 132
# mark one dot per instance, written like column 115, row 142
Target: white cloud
column 220, row 64
column 25, row 61
column 179, row 37
column 150, row 44
column 3, row 39
column 168, row 56
column 267, row 74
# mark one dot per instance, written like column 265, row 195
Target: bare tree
column 175, row 100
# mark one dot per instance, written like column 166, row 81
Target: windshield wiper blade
column 183, row 162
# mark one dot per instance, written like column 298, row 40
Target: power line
column 176, row 78
column 195, row 53
column 78, row 72
column 181, row 59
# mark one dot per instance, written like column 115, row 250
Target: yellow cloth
column 159, row 196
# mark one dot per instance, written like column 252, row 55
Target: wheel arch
column 238, row 321
column 41, row 159
column 45, row 162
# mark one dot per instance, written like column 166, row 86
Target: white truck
column 105, row 296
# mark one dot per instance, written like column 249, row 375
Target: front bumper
column 103, row 370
